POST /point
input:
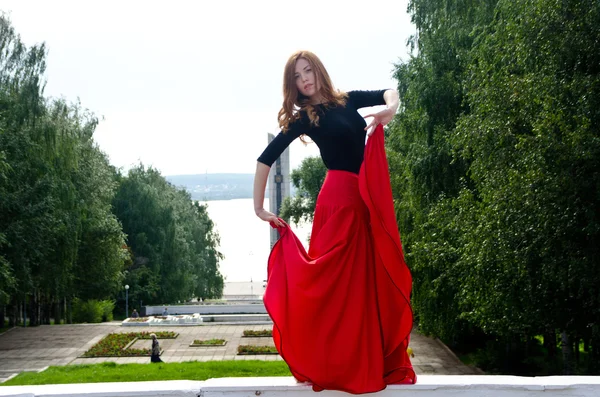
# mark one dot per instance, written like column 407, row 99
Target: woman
column 155, row 354
column 341, row 313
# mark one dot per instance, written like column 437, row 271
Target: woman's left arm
column 386, row 115
column 391, row 100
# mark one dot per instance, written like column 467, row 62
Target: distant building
column 278, row 185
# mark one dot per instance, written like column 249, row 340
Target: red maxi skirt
column 341, row 312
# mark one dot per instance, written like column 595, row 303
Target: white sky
column 194, row 86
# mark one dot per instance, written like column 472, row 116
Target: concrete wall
column 427, row 386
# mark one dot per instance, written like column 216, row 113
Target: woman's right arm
column 265, row 160
column 260, row 183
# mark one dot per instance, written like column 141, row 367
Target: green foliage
column 60, row 237
column 494, row 158
column 308, row 179
column 7, row 280
column 425, row 175
column 107, row 310
column 90, row 311
column 171, row 240
column 533, row 142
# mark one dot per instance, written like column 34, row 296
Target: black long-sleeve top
column 340, row 135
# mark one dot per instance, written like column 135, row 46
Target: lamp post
column 126, row 300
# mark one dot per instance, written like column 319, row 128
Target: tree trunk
column 550, row 343
column 48, row 307
column 12, row 318
column 2, row 314
column 567, row 353
column 70, row 312
column 44, row 310
column 576, row 347
column 594, row 356
column 57, row 312
column 33, row 309
column 24, row 315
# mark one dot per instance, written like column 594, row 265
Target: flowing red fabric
column 341, row 312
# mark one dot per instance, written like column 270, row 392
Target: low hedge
column 260, row 333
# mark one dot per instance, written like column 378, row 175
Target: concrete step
column 234, row 308
column 234, row 318
column 8, row 374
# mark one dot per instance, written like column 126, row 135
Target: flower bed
column 208, row 342
column 251, row 349
column 137, row 319
column 248, row 333
column 159, row 334
column 117, row 345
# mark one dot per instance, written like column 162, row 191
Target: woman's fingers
column 374, row 125
column 371, row 127
column 275, row 222
column 372, row 121
column 271, row 218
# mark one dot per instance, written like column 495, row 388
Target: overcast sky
column 195, row 86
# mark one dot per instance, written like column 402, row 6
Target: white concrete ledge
column 239, row 308
column 427, row 386
column 138, row 389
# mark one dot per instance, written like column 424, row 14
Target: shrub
column 90, row 311
column 107, row 309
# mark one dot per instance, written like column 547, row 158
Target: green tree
column 7, row 279
column 494, row 169
column 424, row 172
column 51, row 192
column 308, row 179
column 532, row 139
column 171, row 239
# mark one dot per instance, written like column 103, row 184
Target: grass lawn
column 111, row 372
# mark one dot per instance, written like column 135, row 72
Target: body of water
column 245, row 239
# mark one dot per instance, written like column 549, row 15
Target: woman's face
column 306, row 80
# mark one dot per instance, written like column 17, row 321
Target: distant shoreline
column 212, row 187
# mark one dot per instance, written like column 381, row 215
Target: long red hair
column 294, row 101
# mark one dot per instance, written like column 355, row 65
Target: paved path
column 32, row 349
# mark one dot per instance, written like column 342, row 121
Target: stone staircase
column 7, row 374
